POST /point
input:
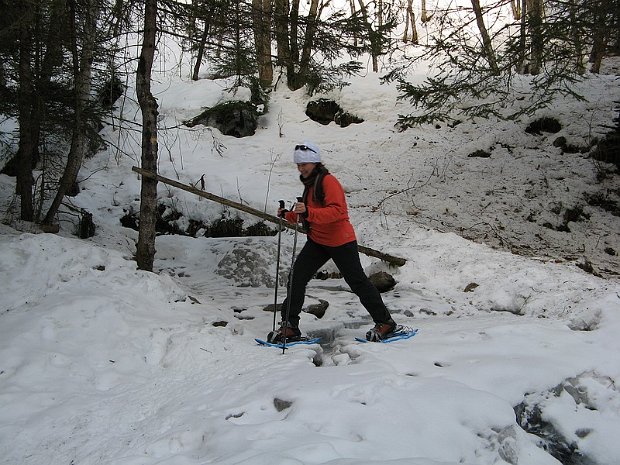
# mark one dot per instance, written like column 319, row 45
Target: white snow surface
column 101, row 363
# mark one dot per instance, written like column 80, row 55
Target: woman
column 323, row 213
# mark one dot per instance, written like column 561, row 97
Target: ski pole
column 290, row 277
column 275, row 299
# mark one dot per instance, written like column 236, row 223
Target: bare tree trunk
column 516, row 9
column 600, row 34
column 487, row 45
column 424, row 17
column 406, row 31
column 35, row 71
column 522, row 38
column 148, row 196
column 353, row 11
column 374, row 52
column 202, row 45
column 261, row 16
column 281, row 24
column 294, row 25
column 615, row 36
column 410, row 21
column 597, row 53
column 535, row 17
column 82, row 71
column 236, row 33
column 26, row 110
column 306, row 54
column 58, row 23
column 576, row 37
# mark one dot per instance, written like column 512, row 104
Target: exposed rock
column 470, row 287
column 582, row 392
column 608, row 149
column 110, row 92
column 545, row 124
column 280, row 404
column 382, row 281
column 318, row 310
column 480, row 154
column 171, row 221
column 344, row 119
column 247, row 267
column 324, row 111
column 237, row 119
column 562, row 143
column 86, row 227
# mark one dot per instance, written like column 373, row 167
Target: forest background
column 491, row 121
column 64, row 65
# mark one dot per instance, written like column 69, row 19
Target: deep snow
column 101, row 363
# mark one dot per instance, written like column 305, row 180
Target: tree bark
column 374, row 49
column 145, row 255
column 487, row 45
column 52, row 61
column 82, row 71
column 353, row 11
column 424, row 17
column 294, row 26
column 576, row 36
column 522, row 38
column 26, row 116
column 281, row 33
column 516, row 9
column 261, row 16
column 202, row 45
column 614, row 40
column 600, row 33
column 597, row 53
column 410, row 21
column 535, row 21
column 311, row 25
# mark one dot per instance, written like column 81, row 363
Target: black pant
column 346, row 257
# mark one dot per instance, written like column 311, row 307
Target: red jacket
column 329, row 222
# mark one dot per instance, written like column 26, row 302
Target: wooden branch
column 252, row 211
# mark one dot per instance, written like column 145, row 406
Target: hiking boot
column 285, row 332
column 381, row 331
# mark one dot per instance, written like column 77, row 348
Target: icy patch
column 575, row 420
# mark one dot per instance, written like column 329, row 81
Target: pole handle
column 282, row 209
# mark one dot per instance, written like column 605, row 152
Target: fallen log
column 252, row 211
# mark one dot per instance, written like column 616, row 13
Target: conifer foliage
column 486, row 62
column 62, row 62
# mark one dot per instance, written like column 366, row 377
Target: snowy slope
column 101, row 363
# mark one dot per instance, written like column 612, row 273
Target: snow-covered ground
column 101, row 363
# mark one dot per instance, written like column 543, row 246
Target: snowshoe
column 401, row 332
column 302, row 340
column 381, row 331
column 286, row 332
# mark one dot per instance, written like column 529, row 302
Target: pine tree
column 546, row 42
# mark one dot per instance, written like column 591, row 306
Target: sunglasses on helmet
column 304, row 148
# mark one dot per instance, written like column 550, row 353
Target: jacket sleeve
column 291, row 217
column 334, row 207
